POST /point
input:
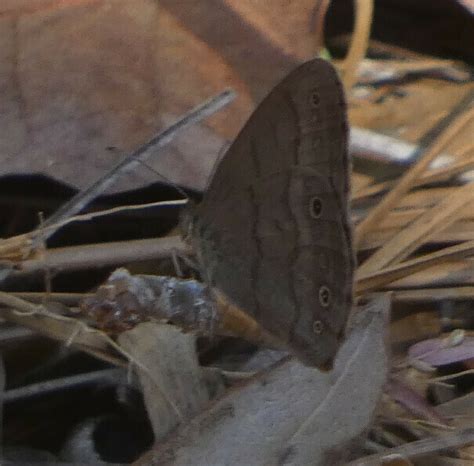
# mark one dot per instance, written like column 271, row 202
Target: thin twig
column 103, row 213
column 92, row 256
column 65, row 383
column 82, row 198
column 80, row 328
column 68, row 299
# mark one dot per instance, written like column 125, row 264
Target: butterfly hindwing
column 273, row 230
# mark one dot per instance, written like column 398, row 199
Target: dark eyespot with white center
column 318, row 327
column 314, row 99
column 324, row 296
column 315, row 207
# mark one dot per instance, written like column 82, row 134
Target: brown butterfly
column 272, row 232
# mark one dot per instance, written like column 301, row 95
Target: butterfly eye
column 318, row 327
column 314, row 99
column 315, row 207
column 324, row 296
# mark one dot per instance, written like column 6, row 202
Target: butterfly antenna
column 163, row 177
column 85, row 196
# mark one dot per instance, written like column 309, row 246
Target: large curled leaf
column 175, row 387
column 293, row 414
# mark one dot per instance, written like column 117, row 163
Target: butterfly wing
column 273, row 230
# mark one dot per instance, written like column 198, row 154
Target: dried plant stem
column 451, row 376
column 113, row 211
column 425, row 197
column 401, row 218
column 72, row 331
column 458, row 293
column 448, row 274
column 68, row 299
column 431, row 445
column 65, row 383
column 420, row 231
column 59, row 328
column 372, row 281
column 91, row 256
column 18, row 247
column 433, row 176
column 359, row 43
column 459, row 231
column 15, row 248
column 407, row 181
column 359, row 182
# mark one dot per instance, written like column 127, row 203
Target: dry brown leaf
column 60, row 111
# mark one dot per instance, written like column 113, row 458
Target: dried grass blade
column 90, row 256
column 360, row 181
column 433, row 221
column 420, row 447
column 433, row 176
column 408, row 180
column 459, row 231
column 359, row 43
column 448, row 274
column 425, row 198
column 402, row 218
column 434, row 294
column 67, row 330
column 369, row 282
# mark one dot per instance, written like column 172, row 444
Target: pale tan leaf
column 174, row 385
column 292, row 414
